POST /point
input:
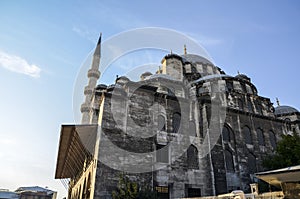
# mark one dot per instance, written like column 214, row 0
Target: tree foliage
column 287, row 153
column 128, row 189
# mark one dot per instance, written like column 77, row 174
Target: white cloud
column 18, row 65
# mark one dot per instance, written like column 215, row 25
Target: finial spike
column 98, row 47
column 184, row 48
column 238, row 72
column 277, row 100
column 99, row 40
column 171, row 52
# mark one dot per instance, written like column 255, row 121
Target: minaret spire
column 93, row 76
column 277, row 100
column 98, row 47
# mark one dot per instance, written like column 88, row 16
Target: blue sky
column 43, row 45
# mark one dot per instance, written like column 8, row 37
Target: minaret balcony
column 93, row 73
column 84, row 108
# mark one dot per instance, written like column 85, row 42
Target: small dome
column 279, row 110
column 144, row 75
column 111, row 87
column 101, row 87
column 195, row 59
column 122, row 80
column 243, row 77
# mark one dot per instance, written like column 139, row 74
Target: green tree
column 127, row 189
column 287, row 153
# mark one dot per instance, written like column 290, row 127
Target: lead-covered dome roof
column 280, row 110
column 195, row 59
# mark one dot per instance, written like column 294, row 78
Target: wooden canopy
column 76, row 146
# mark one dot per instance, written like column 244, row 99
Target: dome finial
column 238, row 72
column 171, row 52
column 184, row 49
column 277, row 100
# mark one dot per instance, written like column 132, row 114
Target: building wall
column 128, row 112
column 140, row 108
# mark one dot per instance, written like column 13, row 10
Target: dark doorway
column 194, row 192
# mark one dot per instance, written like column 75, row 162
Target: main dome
column 192, row 58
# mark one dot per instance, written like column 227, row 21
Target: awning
column 76, row 145
column 276, row 177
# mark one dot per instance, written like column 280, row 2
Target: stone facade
column 200, row 132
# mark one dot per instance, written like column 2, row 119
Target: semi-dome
column 212, row 77
column 164, row 76
column 195, row 59
column 279, row 110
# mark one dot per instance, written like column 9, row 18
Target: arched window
column 229, row 85
column 287, row 122
column 272, row 139
column 192, row 157
column 208, row 113
column 176, row 122
column 251, row 163
column 161, row 123
column 259, row 109
column 250, row 107
column 192, row 129
column 243, row 87
column 260, row 137
column 229, row 161
column 241, row 105
column 226, row 134
column 247, row 135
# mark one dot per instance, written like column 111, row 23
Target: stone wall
column 129, row 116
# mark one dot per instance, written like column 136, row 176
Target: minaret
column 93, row 76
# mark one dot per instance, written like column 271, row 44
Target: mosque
column 187, row 130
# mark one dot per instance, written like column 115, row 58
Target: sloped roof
column 278, row 176
column 76, row 144
column 35, row 189
column 8, row 194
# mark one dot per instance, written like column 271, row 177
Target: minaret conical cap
column 98, row 47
